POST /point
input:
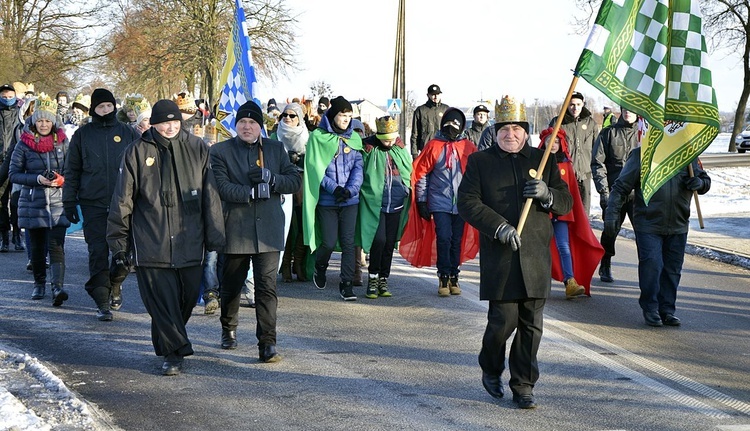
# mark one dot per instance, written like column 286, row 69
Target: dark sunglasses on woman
column 292, row 116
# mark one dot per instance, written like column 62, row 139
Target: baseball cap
column 433, row 89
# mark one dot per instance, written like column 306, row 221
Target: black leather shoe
column 670, row 319
column 172, row 366
column 605, row 273
column 38, row 292
column 525, row 401
column 492, row 384
column 59, row 295
column 652, row 318
column 268, row 353
column 228, row 339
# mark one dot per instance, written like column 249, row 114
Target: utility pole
column 399, row 67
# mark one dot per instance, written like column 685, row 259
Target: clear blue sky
column 479, row 49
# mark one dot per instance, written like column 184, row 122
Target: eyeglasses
column 292, row 116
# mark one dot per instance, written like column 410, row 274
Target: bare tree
column 160, row 47
column 319, row 89
column 45, row 41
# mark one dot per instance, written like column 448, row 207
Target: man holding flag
column 650, row 57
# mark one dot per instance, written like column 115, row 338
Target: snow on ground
column 33, row 398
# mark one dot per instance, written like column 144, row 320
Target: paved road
column 407, row 362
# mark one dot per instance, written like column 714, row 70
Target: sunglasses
column 292, row 116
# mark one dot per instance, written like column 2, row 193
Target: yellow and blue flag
column 237, row 77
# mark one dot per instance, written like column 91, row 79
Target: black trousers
column 265, row 266
column 383, row 244
column 40, row 241
column 525, row 316
column 608, row 241
column 337, row 224
column 5, row 208
column 169, row 296
column 95, row 233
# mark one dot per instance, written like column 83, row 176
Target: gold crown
column 137, row 102
column 29, row 88
column 386, row 125
column 45, row 103
column 510, row 111
column 20, row 88
column 83, row 100
column 185, row 102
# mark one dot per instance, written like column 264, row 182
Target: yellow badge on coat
column 562, row 172
column 117, row 138
column 532, row 172
column 584, row 127
column 150, row 161
column 347, row 150
column 257, row 162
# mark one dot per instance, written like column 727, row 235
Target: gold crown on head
column 83, row 100
column 185, row 102
column 45, row 103
column 510, row 111
column 386, row 125
column 137, row 102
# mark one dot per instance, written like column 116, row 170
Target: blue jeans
column 660, row 259
column 563, row 247
column 449, row 230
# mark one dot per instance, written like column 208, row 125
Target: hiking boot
column 115, row 297
column 211, row 299
column 372, row 288
column 59, row 295
column 383, row 288
column 573, row 289
column 319, row 278
column 605, row 270
column 103, row 314
column 39, row 290
column 443, row 289
column 453, row 286
column 345, row 288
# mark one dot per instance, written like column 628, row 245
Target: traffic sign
column 394, row 106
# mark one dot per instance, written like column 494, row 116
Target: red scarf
column 42, row 144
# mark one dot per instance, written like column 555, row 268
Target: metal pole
column 402, row 67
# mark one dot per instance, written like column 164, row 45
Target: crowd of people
column 203, row 221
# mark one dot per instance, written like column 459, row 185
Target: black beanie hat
column 101, row 95
column 338, row 104
column 454, row 117
column 250, row 110
column 163, row 111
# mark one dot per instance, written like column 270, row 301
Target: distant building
column 367, row 111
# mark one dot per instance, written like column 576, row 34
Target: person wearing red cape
column 574, row 249
column 435, row 234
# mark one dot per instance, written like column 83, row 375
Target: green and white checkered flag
column 650, row 57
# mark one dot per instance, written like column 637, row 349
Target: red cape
column 418, row 245
column 585, row 249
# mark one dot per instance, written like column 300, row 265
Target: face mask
column 451, row 132
column 7, row 102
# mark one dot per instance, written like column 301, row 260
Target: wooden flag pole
column 695, row 196
column 547, row 150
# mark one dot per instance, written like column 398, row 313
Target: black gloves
column 538, row 190
column 611, row 228
column 693, row 183
column 260, row 175
column 71, row 213
column 603, row 200
column 424, row 211
column 507, row 234
column 341, row 194
column 119, row 268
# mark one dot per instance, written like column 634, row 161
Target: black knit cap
column 454, row 117
column 101, row 95
column 250, row 110
column 163, row 111
column 338, row 104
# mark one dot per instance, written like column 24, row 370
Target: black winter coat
column 490, row 194
column 425, row 123
column 255, row 226
column 94, row 160
column 611, row 151
column 668, row 210
column 163, row 236
column 581, row 133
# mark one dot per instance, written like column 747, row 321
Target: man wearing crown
column 514, row 274
column 91, row 170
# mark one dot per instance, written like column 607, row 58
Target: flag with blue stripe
column 237, row 77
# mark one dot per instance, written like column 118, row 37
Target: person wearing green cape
column 384, row 202
column 331, row 186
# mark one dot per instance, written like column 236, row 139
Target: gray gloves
column 538, row 190
column 507, row 234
